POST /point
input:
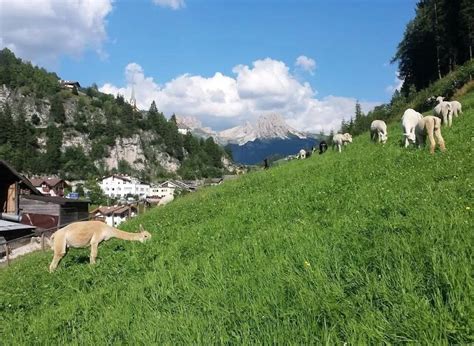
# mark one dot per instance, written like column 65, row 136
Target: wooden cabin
column 47, row 212
column 35, row 211
column 12, row 187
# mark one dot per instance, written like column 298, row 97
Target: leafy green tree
column 124, row 167
column 76, row 164
column 95, row 193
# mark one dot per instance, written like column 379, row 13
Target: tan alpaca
column 428, row 126
column 85, row 233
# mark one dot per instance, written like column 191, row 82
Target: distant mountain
column 269, row 136
column 268, row 126
column 194, row 126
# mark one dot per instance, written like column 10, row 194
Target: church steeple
column 133, row 101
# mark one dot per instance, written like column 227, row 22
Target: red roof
column 116, row 210
column 51, row 182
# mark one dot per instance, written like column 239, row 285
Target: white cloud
column 42, row 30
column 397, row 84
column 265, row 87
column 306, row 64
column 174, row 4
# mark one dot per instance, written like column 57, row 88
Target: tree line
column 435, row 42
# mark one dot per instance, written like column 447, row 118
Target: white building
column 168, row 188
column 115, row 215
column 118, row 186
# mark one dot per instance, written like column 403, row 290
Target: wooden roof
column 56, row 200
column 51, row 182
column 115, row 210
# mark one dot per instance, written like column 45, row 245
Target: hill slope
column 371, row 245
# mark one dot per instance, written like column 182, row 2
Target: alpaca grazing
column 456, row 108
column 429, row 126
column 340, row 139
column 410, row 120
column 443, row 111
column 378, row 131
column 85, row 233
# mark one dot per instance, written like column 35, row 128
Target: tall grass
column 373, row 245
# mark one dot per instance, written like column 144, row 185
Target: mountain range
column 251, row 143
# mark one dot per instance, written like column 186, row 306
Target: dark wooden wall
column 39, row 207
column 71, row 212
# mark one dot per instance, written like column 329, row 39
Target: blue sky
column 172, row 55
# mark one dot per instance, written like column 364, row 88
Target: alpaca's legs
column 440, row 139
column 59, row 247
column 450, row 120
column 432, row 141
column 94, row 247
column 55, row 262
column 339, row 147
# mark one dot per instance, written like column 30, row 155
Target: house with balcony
column 121, row 186
column 53, row 187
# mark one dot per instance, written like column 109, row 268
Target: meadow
column 373, row 245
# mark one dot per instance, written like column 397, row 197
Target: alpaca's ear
column 141, row 228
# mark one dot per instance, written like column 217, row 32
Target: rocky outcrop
column 129, row 150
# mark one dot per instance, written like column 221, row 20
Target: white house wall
column 116, row 187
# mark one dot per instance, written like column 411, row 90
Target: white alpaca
column 456, row 108
column 430, row 126
column 409, row 121
column 340, row 139
column 378, row 131
column 443, row 111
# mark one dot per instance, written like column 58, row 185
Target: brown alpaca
column 429, row 125
column 85, row 233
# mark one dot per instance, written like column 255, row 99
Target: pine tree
column 53, row 149
column 153, row 109
column 467, row 26
column 6, row 124
column 57, row 113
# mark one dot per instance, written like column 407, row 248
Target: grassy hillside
column 371, row 245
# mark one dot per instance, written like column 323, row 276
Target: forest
column 100, row 117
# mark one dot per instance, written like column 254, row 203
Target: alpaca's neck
column 126, row 236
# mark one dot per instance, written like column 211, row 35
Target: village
column 34, row 208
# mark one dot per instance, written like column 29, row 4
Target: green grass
column 374, row 245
